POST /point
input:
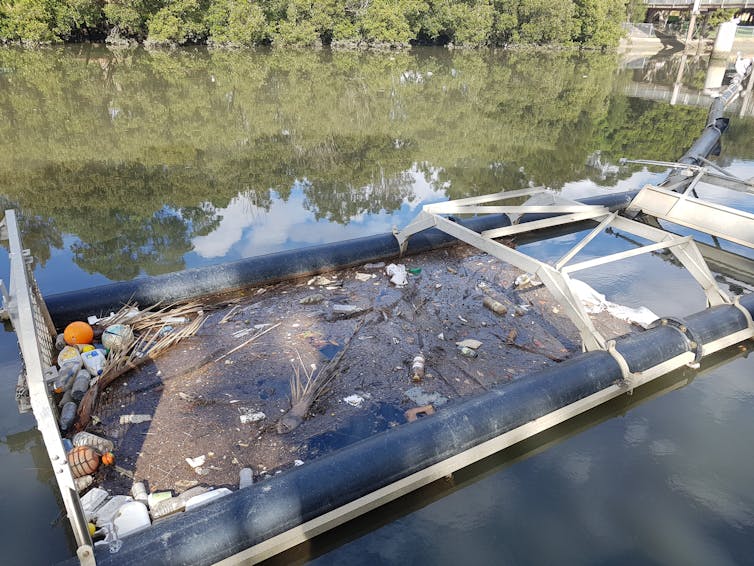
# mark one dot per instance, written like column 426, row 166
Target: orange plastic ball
column 78, row 333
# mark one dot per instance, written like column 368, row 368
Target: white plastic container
column 94, row 361
column 130, row 518
column 92, row 501
column 107, row 512
column 204, row 498
column 246, row 478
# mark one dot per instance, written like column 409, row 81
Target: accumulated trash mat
column 312, row 299
column 421, row 397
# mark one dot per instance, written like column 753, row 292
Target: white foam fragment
column 595, row 302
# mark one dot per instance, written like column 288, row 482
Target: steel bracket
column 558, row 211
column 694, row 342
column 745, row 311
column 630, row 379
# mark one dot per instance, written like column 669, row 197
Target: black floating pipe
column 229, row 525
column 708, row 142
column 266, row 269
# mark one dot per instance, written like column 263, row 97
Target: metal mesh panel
column 43, row 329
column 35, row 332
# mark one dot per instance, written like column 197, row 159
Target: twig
column 249, row 341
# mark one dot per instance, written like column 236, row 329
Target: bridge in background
column 704, row 5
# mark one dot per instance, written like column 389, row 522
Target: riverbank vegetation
column 306, row 23
column 158, row 143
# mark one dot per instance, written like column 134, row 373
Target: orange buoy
column 108, row 459
column 83, row 460
column 78, row 333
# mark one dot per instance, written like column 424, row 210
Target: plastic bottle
column 80, row 385
column 139, row 492
column 89, row 439
column 66, row 398
column 175, row 504
column 417, row 368
column 68, row 355
column 94, row 361
column 66, row 375
column 68, row 415
column 246, row 479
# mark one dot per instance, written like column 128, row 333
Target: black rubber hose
column 266, row 269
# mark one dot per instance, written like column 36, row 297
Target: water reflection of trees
column 135, row 152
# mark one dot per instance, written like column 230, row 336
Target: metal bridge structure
column 704, row 5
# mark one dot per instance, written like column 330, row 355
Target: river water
column 126, row 163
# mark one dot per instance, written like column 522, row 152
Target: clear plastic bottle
column 139, row 492
column 89, row 439
column 68, row 415
column 174, row 504
column 80, row 385
column 65, row 377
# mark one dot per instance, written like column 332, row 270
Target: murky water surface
column 125, row 164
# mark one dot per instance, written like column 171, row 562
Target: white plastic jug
column 94, row 361
column 130, row 518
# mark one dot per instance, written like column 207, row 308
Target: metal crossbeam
column 556, row 278
column 686, row 210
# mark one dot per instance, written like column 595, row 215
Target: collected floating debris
column 196, row 462
column 397, row 274
column 304, row 394
column 312, row 299
column 78, row 332
column 495, row 306
column 117, row 336
column 252, row 417
column 321, row 281
column 249, row 341
column 84, row 460
column 149, row 337
column 416, row 412
column 595, row 302
column 354, row 400
column 417, row 368
column 134, row 419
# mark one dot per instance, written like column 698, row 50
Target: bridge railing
column 704, row 5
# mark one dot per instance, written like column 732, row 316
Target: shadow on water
column 475, row 473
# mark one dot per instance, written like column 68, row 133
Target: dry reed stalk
column 148, row 345
column 249, row 341
column 304, row 396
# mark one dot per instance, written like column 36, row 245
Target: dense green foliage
column 594, row 23
column 157, row 143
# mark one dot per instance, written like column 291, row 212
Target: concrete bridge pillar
column 726, row 34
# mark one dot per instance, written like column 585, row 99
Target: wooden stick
column 249, row 341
